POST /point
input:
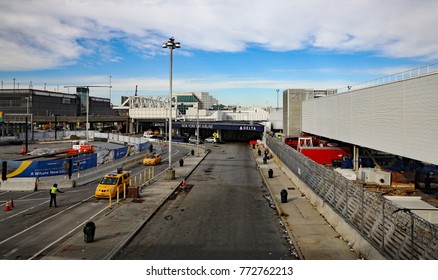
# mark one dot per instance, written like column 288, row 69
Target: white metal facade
column 399, row 118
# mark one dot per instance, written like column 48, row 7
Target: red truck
column 324, row 155
column 294, row 141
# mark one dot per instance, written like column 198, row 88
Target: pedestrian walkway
column 312, row 235
column 115, row 228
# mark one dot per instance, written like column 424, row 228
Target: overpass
column 396, row 114
column 152, row 112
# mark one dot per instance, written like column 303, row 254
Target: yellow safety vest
column 54, row 190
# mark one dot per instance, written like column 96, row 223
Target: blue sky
column 240, row 52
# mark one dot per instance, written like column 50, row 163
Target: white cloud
column 49, row 33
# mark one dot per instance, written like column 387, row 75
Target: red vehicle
column 291, row 141
column 81, row 147
column 302, row 140
column 324, row 155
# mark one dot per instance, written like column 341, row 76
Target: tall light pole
column 197, row 130
column 171, row 44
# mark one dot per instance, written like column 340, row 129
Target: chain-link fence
column 397, row 233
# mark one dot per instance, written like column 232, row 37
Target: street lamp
column 171, row 44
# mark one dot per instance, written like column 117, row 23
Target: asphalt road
column 224, row 214
column 32, row 228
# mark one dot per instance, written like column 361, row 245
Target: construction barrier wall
column 51, row 167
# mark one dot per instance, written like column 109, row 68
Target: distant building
column 292, row 107
column 38, row 102
column 186, row 100
column 96, row 106
column 44, row 108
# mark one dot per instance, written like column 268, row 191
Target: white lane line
column 62, row 237
column 43, row 221
column 24, row 211
column 26, row 196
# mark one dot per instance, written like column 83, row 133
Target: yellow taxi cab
column 152, row 159
column 112, row 181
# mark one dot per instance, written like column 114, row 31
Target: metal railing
column 409, row 74
column 397, row 233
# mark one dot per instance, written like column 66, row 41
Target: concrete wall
column 292, row 111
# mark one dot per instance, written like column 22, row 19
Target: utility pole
column 171, row 45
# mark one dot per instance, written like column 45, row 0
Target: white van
column 148, row 134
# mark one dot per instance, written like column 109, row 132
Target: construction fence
column 397, row 233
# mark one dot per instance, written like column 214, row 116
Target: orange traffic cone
column 23, row 151
column 12, row 202
column 8, row 206
column 183, row 184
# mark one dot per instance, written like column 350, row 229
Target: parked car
column 212, row 139
column 209, row 139
column 193, row 140
column 155, row 138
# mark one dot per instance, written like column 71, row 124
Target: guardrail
column 409, row 74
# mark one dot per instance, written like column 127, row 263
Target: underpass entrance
column 232, row 132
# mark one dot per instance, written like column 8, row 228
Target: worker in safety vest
column 53, row 192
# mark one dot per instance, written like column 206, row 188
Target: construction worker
column 53, row 192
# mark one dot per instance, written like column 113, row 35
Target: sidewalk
column 313, row 237
column 115, row 228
